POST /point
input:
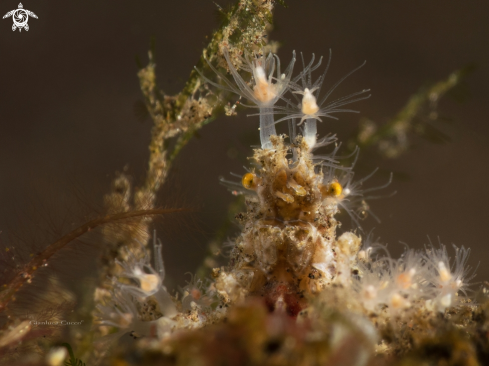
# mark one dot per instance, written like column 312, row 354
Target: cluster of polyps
column 265, row 91
column 288, row 250
column 288, row 241
column 141, row 305
column 448, row 280
column 423, row 280
column 288, row 245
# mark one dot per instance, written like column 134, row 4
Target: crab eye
column 249, row 181
column 335, row 189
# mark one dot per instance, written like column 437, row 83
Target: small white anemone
column 194, row 294
column 448, row 280
column 410, row 272
column 373, row 287
column 121, row 313
column 263, row 90
column 392, row 286
column 146, row 280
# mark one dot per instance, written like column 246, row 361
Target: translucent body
column 311, row 107
column 265, row 89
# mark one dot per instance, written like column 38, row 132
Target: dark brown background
column 68, row 88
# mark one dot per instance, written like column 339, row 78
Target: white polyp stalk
column 267, row 127
column 310, row 132
column 158, row 255
column 165, row 303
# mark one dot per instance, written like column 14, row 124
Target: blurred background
column 69, row 117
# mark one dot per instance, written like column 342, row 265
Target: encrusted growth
column 289, row 266
column 296, row 289
column 288, row 237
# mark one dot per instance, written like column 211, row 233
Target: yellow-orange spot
column 333, row 189
column 249, row 181
column 309, row 105
column 7, row 249
column 263, row 90
column 149, row 282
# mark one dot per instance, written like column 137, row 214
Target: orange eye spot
column 249, row 181
column 335, row 189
